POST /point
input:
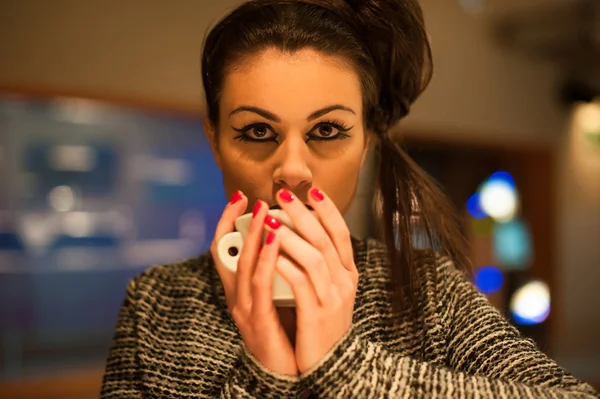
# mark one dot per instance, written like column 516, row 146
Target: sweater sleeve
column 487, row 357
column 123, row 376
column 252, row 380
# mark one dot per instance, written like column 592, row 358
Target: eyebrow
column 272, row 117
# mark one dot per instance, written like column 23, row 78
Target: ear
column 368, row 138
column 210, row 132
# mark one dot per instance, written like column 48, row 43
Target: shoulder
column 426, row 262
column 433, row 272
column 372, row 252
column 190, row 277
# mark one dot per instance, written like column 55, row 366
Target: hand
column 321, row 272
column 249, row 291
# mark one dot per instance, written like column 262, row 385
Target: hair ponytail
column 408, row 201
column 410, row 206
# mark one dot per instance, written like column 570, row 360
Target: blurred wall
column 140, row 50
column 481, row 91
column 147, row 52
column 578, row 219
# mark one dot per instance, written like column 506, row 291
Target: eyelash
column 340, row 126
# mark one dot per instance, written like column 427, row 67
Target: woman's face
column 290, row 121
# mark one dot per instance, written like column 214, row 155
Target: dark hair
column 385, row 41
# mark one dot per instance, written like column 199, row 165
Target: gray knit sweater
column 175, row 339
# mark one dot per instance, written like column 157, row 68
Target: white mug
column 230, row 246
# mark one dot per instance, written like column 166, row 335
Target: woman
column 295, row 92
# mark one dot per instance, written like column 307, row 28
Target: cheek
column 341, row 185
column 251, row 177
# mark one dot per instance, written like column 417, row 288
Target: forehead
column 291, row 84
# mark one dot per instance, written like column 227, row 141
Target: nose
column 292, row 170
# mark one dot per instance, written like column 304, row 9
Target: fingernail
column 256, row 208
column 286, row 196
column 317, row 194
column 236, row 197
column 272, row 222
column 270, row 237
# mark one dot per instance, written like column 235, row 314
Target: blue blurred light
column 474, row 207
column 502, row 176
column 512, row 245
column 489, row 279
column 530, row 321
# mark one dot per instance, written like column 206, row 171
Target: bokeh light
column 474, row 207
column 502, row 176
column 512, row 246
column 499, row 199
column 530, row 304
column 78, row 224
column 589, row 117
column 62, row 198
column 489, row 279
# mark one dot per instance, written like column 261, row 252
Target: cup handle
column 228, row 244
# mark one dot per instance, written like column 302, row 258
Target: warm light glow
column 582, row 158
column 588, row 117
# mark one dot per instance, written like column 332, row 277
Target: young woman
column 295, row 92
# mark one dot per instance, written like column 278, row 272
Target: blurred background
column 105, row 169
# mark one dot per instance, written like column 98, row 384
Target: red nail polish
column 286, row 196
column 270, row 237
column 236, row 197
column 272, row 222
column 256, row 208
column 317, row 194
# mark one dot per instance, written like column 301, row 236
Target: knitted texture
column 175, row 338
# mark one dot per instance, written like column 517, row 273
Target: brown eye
column 325, row 130
column 256, row 132
column 259, row 132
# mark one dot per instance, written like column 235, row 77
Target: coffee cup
column 230, row 246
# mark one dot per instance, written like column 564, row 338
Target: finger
column 306, row 256
column 236, row 206
column 311, row 229
column 249, row 254
column 262, row 281
column 302, row 287
column 333, row 222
